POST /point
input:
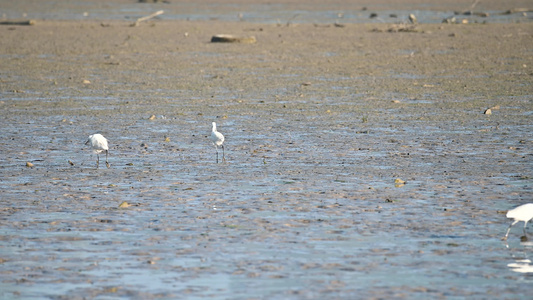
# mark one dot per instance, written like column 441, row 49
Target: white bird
column 99, row 144
column 522, row 213
column 218, row 140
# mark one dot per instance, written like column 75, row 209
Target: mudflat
column 361, row 160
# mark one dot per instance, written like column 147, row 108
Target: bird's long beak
column 86, row 143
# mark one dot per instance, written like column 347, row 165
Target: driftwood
column 228, row 38
column 27, row 22
column 139, row 20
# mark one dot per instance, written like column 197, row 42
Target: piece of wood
column 228, row 38
column 139, row 20
column 26, row 22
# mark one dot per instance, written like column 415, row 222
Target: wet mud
column 320, row 121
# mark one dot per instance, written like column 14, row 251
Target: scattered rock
column 473, row 13
column 402, row 28
column 516, row 10
column 488, row 111
column 451, row 20
column 29, row 165
column 152, row 117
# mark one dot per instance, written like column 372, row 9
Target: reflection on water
column 522, row 264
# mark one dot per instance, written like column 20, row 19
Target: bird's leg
column 525, row 233
column 216, row 149
column 106, row 162
column 97, row 160
column 508, row 229
column 223, row 155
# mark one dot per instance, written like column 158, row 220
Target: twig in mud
column 290, row 20
column 139, row 20
column 474, row 4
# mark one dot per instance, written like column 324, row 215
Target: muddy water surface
column 319, row 124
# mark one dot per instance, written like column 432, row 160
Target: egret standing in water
column 218, row 139
column 522, row 213
column 99, row 144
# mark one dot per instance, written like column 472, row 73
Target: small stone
column 398, row 182
column 451, row 20
column 85, row 81
column 488, row 111
column 124, row 204
column 412, row 19
column 152, row 117
column 29, row 165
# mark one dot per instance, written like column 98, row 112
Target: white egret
column 218, row 140
column 522, row 213
column 99, row 144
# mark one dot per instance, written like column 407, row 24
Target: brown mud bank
column 319, row 120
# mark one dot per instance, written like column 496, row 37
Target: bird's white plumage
column 216, row 137
column 522, row 213
column 218, row 140
column 98, row 142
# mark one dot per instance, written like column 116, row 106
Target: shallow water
column 269, row 13
column 306, row 208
